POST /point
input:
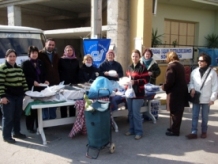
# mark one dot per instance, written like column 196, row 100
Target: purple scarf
column 35, row 64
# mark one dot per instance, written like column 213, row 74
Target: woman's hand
column 4, row 100
column 36, row 83
column 132, row 82
column 150, row 73
column 46, row 82
column 211, row 102
column 106, row 73
column 192, row 93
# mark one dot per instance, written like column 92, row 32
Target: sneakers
column 19, row 135
column 192, row 136
column 10, row 140
column 204, row 135
column 137, row 137
column 128, row 134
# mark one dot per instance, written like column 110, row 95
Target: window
column 179, row 32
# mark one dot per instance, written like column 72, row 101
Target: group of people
column 42, row 67
column 47, row 67
column 202, row 79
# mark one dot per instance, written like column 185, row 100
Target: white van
column 19, row 38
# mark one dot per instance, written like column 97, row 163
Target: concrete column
column 117, row 21
column 14, row 16
column 140, row 23
column 96, row 18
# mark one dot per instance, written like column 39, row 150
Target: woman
column 108, row 65
column 176, row 90
column 68, row 71
column 208, row 94
column 151, row 65
column 12, row 89
column 139, row 77
column 87, row 71
column 35, row 74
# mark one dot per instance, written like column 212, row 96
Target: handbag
column 196, row 98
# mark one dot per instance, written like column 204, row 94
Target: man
column 108, row 65
column 50, row 59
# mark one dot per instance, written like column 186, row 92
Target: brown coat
column 51, row 69
column 176, row 87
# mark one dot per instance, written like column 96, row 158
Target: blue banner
column 97, row 48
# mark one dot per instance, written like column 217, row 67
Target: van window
column 20, row 43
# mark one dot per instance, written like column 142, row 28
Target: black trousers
column 72, row 111
column 32, row 120
column 177, row 120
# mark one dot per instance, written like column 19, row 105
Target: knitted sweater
column 12, row 80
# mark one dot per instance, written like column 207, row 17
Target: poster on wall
column 183, row 53
column 97, row 48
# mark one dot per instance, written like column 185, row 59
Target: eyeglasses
column 201, row 61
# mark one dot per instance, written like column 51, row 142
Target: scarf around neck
column 35, row 63
column 147, row 62
column 203, row 70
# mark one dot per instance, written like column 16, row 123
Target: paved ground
column 154, row 148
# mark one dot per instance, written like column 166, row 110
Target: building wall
column 140, row 17
column 206, row 19
column 216, row 23
column 3, row 16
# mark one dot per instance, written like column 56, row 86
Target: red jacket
column 140, row 76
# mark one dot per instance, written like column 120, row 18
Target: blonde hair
column 172, row 56
column 86, row 57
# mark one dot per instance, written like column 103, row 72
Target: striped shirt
column 12, row 80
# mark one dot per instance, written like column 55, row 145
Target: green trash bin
column 98, row 125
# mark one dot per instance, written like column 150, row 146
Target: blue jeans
column 11, row 116
column 115, row 101
column 135, row 120
column 49, row 113
column 205, row 108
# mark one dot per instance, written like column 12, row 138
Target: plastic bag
column 100, row 83
column 124, row 81
column 73, row 94
column 130, row 93
column 56, row 98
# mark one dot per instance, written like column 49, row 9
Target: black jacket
column 87, row 73
column 51, row 68
column 31, row 74
column 68, row 70
column 106, row 66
